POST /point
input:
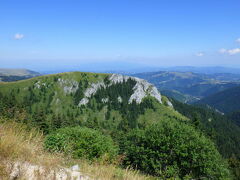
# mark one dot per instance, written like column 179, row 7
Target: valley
column 189, row 87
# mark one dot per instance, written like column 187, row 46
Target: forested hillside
column 93, row 100
column 221, row 129
column 110, row 117
column 217, row 126
column 226, row 101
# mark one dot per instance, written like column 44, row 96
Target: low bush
column 81, row 143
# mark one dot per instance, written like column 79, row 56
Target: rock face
column 25, row 170
column 169, row 104
column 69, row 86
column 118, row 78
column 141, row 89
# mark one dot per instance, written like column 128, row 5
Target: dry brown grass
column 17, row 143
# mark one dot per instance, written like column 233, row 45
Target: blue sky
column 56, row 33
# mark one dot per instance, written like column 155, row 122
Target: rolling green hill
column 16, row 74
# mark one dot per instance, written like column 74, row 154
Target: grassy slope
column 17, row 143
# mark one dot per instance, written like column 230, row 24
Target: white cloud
column 230, row 51
column 18, row 36
column 238, row 40
column 234, row 51
column 200, row 54
column 222, row 51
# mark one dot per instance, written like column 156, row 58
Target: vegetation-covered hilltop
column 113, row 118
column 111, row 102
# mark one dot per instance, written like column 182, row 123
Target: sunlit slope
column 107, row 101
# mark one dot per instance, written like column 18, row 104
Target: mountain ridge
column 75, row 97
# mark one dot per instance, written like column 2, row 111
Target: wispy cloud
column 18, row 36
column 238, row 40
column 200, row 54
column 230, row 51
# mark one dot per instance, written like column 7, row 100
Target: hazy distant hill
column 16, row 74
column 202, row 70
column 225, row 101
column 188, row 86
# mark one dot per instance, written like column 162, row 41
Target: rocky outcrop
column 169, row 104
column 141, row 89
column 25, row 170
column 69, row 86
column 119, row 99
column 94, row 87
column 118, row 78
column 105, row 100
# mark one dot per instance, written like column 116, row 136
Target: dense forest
column 225, row 101
column 221, row 129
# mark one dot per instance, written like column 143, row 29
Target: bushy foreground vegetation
column 171, row 149
column 168, row 149
column 19, row 143
column 81, row 143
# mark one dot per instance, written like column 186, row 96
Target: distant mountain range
column 202, row 70
column 16, row 74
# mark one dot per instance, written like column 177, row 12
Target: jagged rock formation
column 69, row 86
column 141, row 89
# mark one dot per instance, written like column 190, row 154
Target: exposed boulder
column 25, row 170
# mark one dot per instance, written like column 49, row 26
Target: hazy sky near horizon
column 152, row 32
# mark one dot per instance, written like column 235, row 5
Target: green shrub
column 173, row 149
column 81, row 143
